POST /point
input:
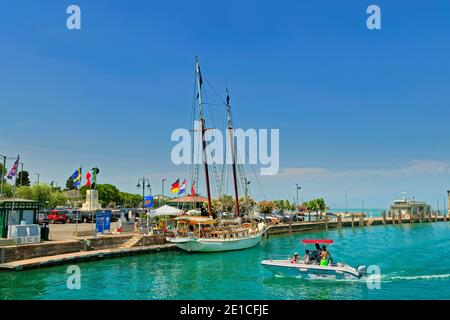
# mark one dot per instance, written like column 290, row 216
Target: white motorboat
column 312, row 269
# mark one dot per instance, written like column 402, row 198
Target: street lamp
column 162, row 190
column 37, row 174
column 144, row 181
column 296, row 189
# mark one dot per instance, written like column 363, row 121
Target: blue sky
column 358, row 110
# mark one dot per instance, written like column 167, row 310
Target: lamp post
column 448, row 204
column 144, row 180
column 296, row 189
column 37, row 174
column 162, row 190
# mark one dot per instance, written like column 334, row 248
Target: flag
column 175, row 186
column 200, row 79
column 95, row 171
column 13, row 170
column 92, row 174
column 76, row 177
column 193, row 190
column 88, row 179
column 182, row 188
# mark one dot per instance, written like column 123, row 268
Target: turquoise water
column 414, row 261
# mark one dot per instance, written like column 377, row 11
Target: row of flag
column 181, row 189
column 91, row 177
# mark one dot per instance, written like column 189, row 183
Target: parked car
column 115, row 215
column 74, row 216
column 57, row 216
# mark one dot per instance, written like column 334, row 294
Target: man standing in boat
column 325, row 256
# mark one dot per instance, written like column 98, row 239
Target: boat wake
column 419, row 277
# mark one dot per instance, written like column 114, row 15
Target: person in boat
column 325, row 256
column 295, row 258
column 315, row 255
column 307, row 257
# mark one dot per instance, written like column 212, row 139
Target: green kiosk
column 26, row 210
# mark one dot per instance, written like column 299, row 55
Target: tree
column 58, row 198
column 7, row 190
column 69, row 184
column 283, row 205
column 23, row 179
column 225, row 203
column 108, row 194
column 5, row 173
column 265, row 206
column 246, row 204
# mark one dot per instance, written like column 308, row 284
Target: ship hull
column 216, row 245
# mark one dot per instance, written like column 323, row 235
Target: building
column 406, row 207
column 26, row 210
column 188, row 202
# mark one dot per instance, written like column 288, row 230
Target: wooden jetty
column 74, row 257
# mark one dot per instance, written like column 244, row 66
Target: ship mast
column 230, row 132
column 203, row 129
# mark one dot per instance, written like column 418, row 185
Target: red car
column 54, row 216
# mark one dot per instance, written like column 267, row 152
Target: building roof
column 16, row 200
column 188, row 199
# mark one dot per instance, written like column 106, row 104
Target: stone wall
column 29, row 251
column 152, row 240
column 100, row 243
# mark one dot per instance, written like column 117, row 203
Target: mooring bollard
column 400, row 218
column 353, row 220
column 339, row 220
column 383, row 216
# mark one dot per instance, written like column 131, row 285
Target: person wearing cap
column 307, row 257
column 295, row 258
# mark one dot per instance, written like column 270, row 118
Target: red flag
column 193, row 190
column 88, row 179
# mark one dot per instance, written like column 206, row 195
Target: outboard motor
column 362, row 270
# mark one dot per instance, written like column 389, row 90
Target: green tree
column 283, row 205
column 5, row 172
column 23, row 179
column 39, row 192
column 69, row 184
column 265, row 206
column 7, row 190
column 246, row 204
column 57, row 198
column 225, row 203
column 108, row 194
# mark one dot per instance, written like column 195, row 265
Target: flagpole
column 15, row 187
column 79, row 200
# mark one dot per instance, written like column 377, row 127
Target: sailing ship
column 206, row 234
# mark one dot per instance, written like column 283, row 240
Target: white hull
column 216, row 245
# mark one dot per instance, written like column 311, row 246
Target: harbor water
column 414, row 260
